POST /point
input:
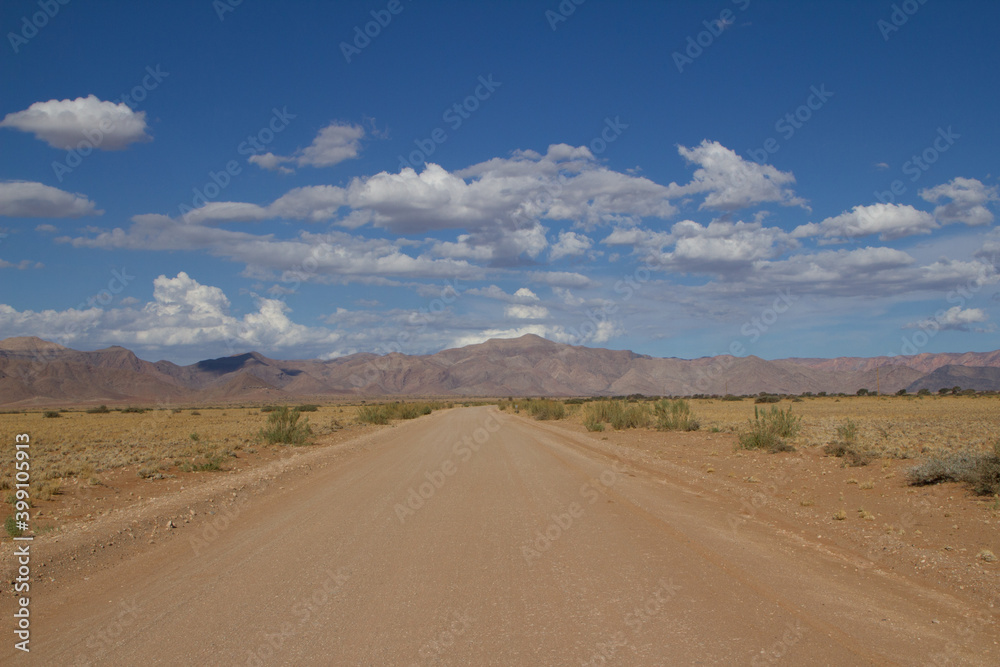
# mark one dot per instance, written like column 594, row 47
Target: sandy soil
column 472, row 536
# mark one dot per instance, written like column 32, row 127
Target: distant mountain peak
column 29, row 344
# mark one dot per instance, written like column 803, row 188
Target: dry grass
column 83, row 444
column 884, row 426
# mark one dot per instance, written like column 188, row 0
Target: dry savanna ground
column 108, row 487
column 85, row 463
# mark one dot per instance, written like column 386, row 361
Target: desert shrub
column 768, row 429
column 730, row 397
column 47, row 489
column 848, row 431
column 924, row 392
column 545, row 408
column 621, row 414
column 132, row 410
column 953, row 467
column 10, row 525
column 99, row 410
column 592, row 424
column 767, row 398
column 675, row 416
column 785, row 424
column 268, row 408
column 308, row 407
column 853, row 455
column 51, row 414
column 901, row 392
column 284, row 427
column 632, row 415
column 373, row 414
column 383, row 413
column 980, row 471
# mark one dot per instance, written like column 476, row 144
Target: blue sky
column 676, row 178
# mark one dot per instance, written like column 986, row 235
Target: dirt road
column 474, row 537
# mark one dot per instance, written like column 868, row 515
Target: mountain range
column 34, row 372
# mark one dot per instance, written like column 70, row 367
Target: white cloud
column 329, row 257
column 889, row 221
column 65, row 124
column 26, row 199
column 496, row 246
column 570, row 244
column 23, row 265
column 525, row 294
column 313, row 203
column 183, row 313
column 560, row 278
column 722, row 246
column 522, row 295
column 731, row 182
column 968, row 201
column 564, row 184
column 334, row 144
column 863, row 272
column 955, row 319
column 521, row 312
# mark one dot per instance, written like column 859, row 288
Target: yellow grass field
column 82, row 445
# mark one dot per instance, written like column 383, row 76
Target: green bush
column 284, row 427
column 675, row 416
column 545, row 408
column 633, row 415
column 848, row 431
column 11, row 527
column 51, row 414
column 373, row 414
column 99, row 410
column 308, row 407
column 131, row 410
column 383, row 413
column 592, row 424
column 768, row 429
column 767, row 398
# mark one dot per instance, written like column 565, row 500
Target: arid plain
column 114, row 489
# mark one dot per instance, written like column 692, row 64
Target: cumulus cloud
column 729, row 182
column 969, row 198
column 522, row 312
column 570, row 244
column 334, row 144
column 566, row 183
column 522, row 295
column 721, row 246
column 65, row 124
column 889, row 221
column 27, row 199
column 183, row 312
column 955, row 318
